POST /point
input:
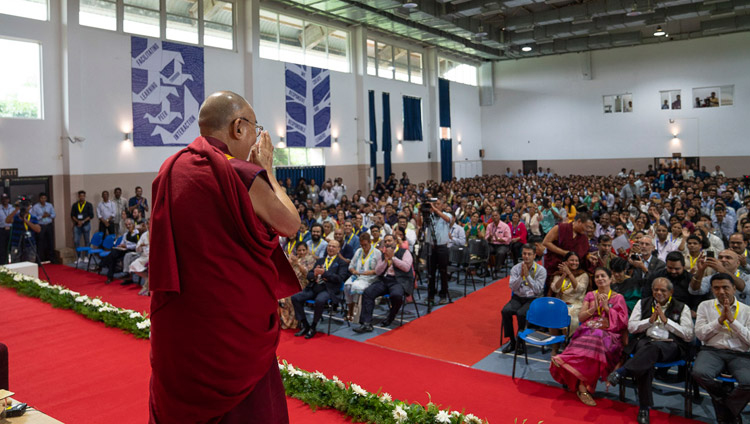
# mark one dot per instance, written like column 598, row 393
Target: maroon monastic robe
column 216, row 272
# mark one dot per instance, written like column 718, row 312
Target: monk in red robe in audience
column 216, row 272
column 564, row 238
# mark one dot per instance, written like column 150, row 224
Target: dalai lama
column 216, row 272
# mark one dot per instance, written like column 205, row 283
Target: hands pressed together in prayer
column 726, row 312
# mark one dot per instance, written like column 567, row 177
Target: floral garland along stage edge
column 316, row 390
column 94, row 309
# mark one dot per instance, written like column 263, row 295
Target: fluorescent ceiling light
column 659, row 32
column 526, row 48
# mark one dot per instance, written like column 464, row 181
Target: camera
column 426, row 207
column 635, row 257
column 709, row 254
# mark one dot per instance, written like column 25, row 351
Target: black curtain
column 412, row 118
column 446, row 159
column 297, row 172
column 386, row 135
column 373, row 136
column 444, row 98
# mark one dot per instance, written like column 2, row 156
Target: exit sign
column 9, row 173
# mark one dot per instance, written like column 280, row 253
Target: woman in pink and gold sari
column 595, row 348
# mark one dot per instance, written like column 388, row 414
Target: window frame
column 40, row 116
column 459, row 63
column 409, row 52
column 307, row 150
column 46, row 18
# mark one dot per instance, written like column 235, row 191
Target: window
column 618, row 103
column 218, row 24
column 32, row 9
column 457, row 72
column 21, row 90
column 295, row 40
column 182, row 18
column 670, row 100
column 98, row 14
column 297, row 156
column 713, row 96
column 393, row 62
column 142, row 17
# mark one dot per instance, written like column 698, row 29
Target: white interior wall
column 545, row 110
column 466, row 124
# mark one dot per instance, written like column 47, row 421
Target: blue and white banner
column 167, row 85
column 308, row 106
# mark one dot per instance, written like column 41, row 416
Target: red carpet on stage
column 81, row 372
column 93, row 285
column 464, row 332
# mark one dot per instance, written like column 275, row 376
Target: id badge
column 80, row 216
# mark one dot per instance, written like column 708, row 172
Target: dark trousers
column 111, row 260
column 438, row 260
column 265, row 404
column 500, row 252
column 4, row 367
column 641, row 366
column 46, row 243
column 515, row 251
column 517, row 306
column 728, row 403
column 317, row 292
column 386, row 285
column 107, row 229
column 4, row 241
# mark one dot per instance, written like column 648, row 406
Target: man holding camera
column 437, row 224
column 6, row 210
column 22, row 240
column 728, row 263
column 45, row 212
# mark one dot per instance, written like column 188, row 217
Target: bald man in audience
column 214, row 319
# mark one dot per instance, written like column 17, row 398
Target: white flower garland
column 93, row 308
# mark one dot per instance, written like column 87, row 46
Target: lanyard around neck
column 81, row 206
column 28, row 218
column 599, row 309
column 366, row 258
column 329, row 261
column 736, row 312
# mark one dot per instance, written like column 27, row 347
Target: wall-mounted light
column 335, row 139
column 281, row 144
column 674, row 136
column 399, row 141
column 671, row 121
column 126, row 136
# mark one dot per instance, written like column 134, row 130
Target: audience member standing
column 121, row 204
column 138, row 202
column 107, row 210
column 82, row 212
column 45, row 213
column 6, row 210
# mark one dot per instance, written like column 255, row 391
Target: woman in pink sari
column 595, row 348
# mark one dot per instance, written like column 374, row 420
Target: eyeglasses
column 258, row 128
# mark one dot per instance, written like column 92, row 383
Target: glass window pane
column 188, row 9
column 371, row 70
column 269, row 35
column 182, row 29
column 401, row 59
column 280, row 157
column 98, row 14
column 727, row 95
column 290, row 40
column 338, row 50
column 298, row 157
column 141, row 21
column 315, row 157
column 20, row 92
column 415, row 66
column 385, row 61
column 316, row 46
column 217, row 35
column 218, row 11
column 32, row 9
column 149, row 4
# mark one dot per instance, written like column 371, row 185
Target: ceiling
column 547, row 26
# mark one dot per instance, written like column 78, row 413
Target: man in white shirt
column 327, row 195
column 718, row 172
column 122, row 205
column 723, row 325
column 339, row 189
column 663, row 329
column 106, row 210
column 45, row 213
column 527, row 283
column 457, row 236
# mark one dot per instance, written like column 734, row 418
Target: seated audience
column 316, row 244
column 595, row 348
column 324, row 285
column 663, row 330
column 567, row 237
column 646, row 264
column 475, row 228
column 526, row 284
column 396, row 278
column 139, row 266
column 723, row 326
column 118, row 252
column 362, row 270
column 302, row 262
column 728, row 263
column 498, row 236
column 517, row 236
column 623, row 282
column 570, row 284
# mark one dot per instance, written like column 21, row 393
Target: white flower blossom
column 17, row 277
column 399, row 414
column 339, row 383
column 455, row 413
column 472, row 419
column 443, row 417
column 134, row 315
column 81, row 299
column 97, row 302
column 319, row 375
column 385, row 398
column 41, row 283
column 281, row 366
column 358, row 390
column 144, row 324
column 293, row 371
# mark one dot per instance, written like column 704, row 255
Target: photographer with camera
column 6, row 210
column 22, row 240
column 436, row 227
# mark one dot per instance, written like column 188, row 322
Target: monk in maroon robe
column 564, row 238
column 216, row 272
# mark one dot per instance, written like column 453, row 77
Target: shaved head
column 219, row 110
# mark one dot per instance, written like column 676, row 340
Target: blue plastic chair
column 545, row 312
column 329, row 307
column 403, row 306
column 96, row 242
column 103, row 251
column 661, row 365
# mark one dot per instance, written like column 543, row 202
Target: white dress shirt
column 106, row 210
column 711, row 333
column 532, row 285
column 684, row 328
